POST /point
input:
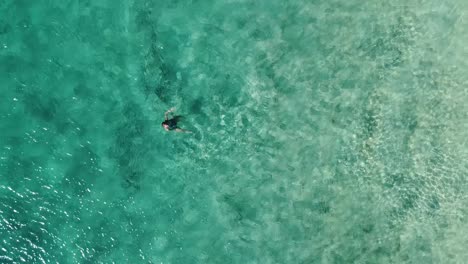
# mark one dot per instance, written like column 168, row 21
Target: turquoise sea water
column 324, row 131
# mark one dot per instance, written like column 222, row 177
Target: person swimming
column 171, row 124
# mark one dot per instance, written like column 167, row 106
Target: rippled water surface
column 324, row 131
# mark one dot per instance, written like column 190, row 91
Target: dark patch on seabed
column 159, row 77
column 131, row 146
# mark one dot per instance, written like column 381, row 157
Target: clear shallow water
column 325, row 132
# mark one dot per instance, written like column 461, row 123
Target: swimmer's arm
column 166, row 114
column 182, row 130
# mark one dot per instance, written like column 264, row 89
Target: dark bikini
column 172, row 123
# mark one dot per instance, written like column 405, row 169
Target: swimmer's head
column 165, row 125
